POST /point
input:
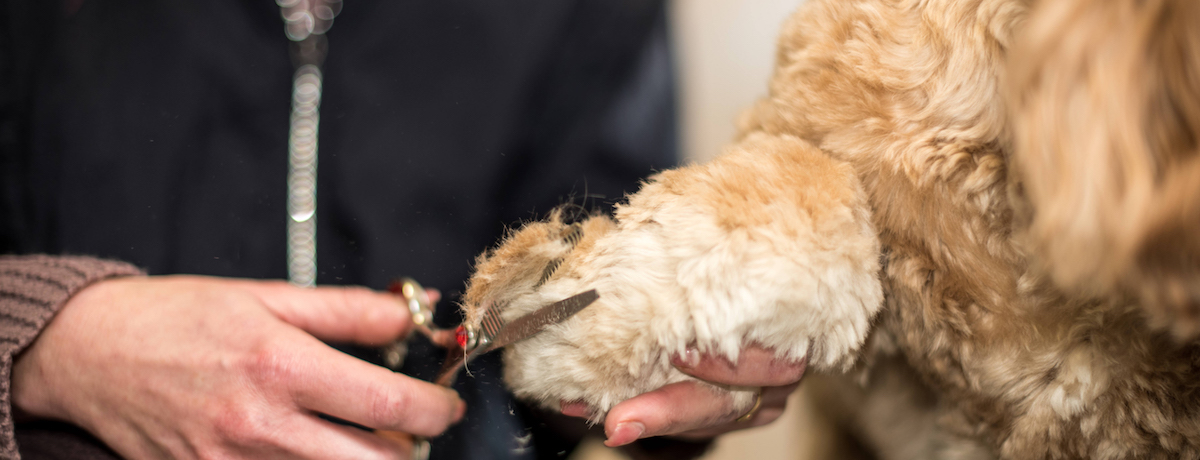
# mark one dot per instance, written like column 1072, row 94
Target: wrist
column 34, row 385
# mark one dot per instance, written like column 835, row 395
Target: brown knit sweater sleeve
column 32, row 289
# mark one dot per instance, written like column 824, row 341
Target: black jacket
column 155, row 132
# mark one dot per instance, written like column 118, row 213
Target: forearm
column 32, row 289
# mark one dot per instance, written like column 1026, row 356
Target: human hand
column 693, row 411
column 194, row 367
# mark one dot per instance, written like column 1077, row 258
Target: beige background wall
column 725, row 53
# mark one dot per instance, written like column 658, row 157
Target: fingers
column 336, row 314
column 689, row 410
column 671, row 409
column 324, row 380
column 320, row 439
column 321, row 379
column 694, row 410
column 756, row 367
column 774, row 402
column 434, row 295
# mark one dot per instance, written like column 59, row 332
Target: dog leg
column 771, row 243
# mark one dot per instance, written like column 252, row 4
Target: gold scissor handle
column 421, row 309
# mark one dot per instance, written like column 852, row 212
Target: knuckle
column 244, row 424
column 389, row 407
column 269, row 367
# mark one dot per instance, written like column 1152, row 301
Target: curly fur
column 707, row 256
column 1027, row 172
column 1114, row 179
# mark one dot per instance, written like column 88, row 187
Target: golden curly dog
column 983, row 215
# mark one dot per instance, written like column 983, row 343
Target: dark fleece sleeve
column 32, row 289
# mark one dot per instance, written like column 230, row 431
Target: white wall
column 725, row 50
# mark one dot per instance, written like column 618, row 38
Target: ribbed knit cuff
column 32, row 289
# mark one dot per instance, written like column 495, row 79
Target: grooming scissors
column 466, row 342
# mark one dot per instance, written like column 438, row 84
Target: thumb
column 336, row 314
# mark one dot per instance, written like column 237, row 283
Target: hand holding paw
column 693, row 411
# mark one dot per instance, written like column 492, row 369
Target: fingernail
column 573, row 408
column 689, row 359
column 625, row 433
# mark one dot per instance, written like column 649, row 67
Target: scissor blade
column 454, row 361
column 529, row 325
column 520, row 329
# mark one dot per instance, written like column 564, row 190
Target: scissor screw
column 466, row 338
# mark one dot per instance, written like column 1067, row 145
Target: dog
column 980, row 217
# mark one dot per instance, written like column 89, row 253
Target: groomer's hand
column 193, row 367
column 692, row 411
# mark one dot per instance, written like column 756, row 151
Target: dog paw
column 770, row 244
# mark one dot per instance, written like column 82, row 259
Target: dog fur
column 983, row 215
